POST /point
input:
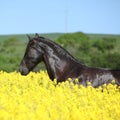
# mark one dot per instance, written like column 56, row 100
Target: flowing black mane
column 61, row 65
column 57, row 47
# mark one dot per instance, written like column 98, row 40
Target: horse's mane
column 57, row 47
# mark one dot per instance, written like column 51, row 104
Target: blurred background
column 89, row 30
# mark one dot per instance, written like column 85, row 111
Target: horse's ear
column 36, row 35
column 29, row 37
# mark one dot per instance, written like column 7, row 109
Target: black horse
column 62, row 65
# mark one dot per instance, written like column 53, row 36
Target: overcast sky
column 49, row 16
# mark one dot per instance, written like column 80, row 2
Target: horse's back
column 99, row 76
column 116, row 74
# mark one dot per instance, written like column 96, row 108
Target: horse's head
column 33, row 55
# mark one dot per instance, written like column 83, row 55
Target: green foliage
column 91, row 49
column 70, row 39
column 12, row 48
column 109, row 60
column 75, row 43
column 100, row 52
column 9, row 57
column 113, row 60
column 105, row 44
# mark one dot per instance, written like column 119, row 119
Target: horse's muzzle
column 23, row 70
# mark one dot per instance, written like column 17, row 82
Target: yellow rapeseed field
column 36, row 97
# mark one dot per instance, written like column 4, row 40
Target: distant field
column 54, row 36
column 23, row 37
column 12, row 48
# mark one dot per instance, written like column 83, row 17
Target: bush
column 97, row 53
column 105, row 44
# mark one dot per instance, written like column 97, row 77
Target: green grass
column 12, row 48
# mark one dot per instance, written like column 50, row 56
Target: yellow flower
column 36, row 97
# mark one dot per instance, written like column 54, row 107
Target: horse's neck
column 57, row 64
